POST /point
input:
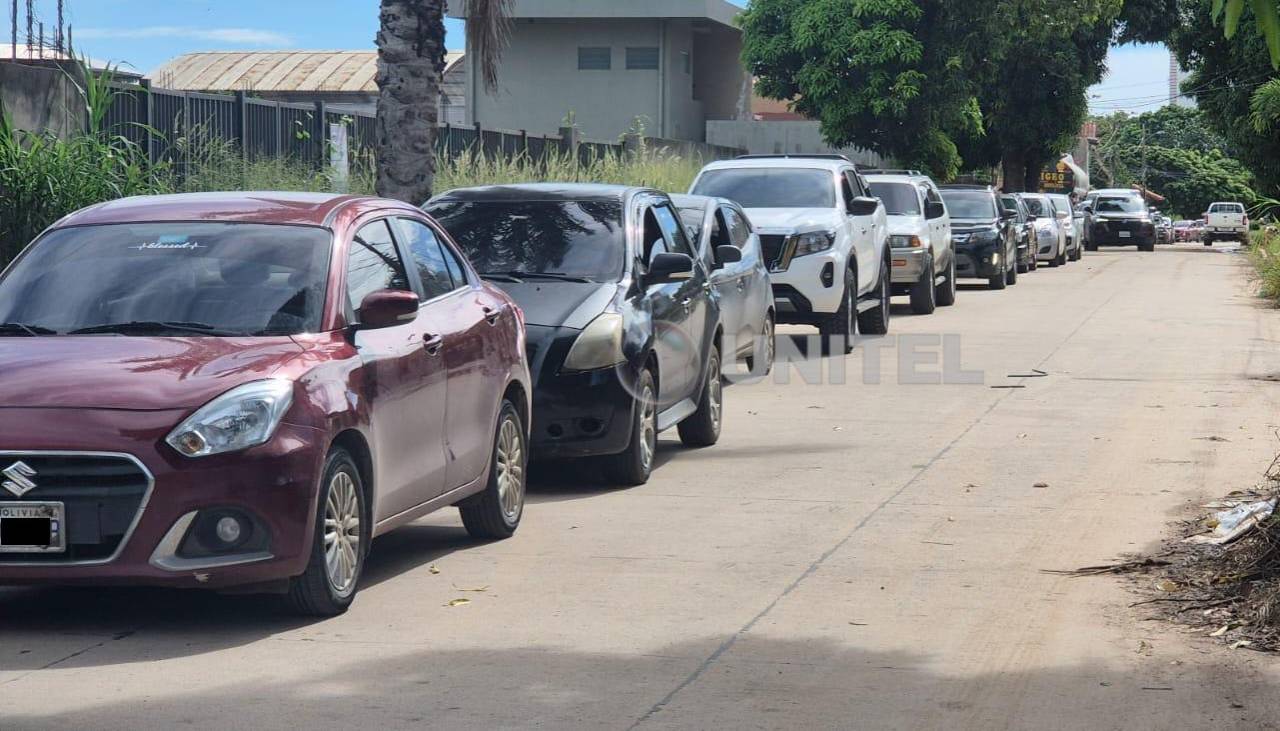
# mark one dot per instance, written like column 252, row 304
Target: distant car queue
column 244, row 389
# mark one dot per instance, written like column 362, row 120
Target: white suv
column 824, row 237
column 924, row 261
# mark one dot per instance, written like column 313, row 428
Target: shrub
column 1265, row 256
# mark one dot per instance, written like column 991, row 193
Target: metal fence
column 171, row 125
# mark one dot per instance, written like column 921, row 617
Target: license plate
column 33, row 528
column 1125, row 234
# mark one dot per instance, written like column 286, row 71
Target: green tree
column 1266, row 13
column 895, row 76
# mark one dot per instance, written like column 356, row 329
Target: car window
column 970, row 204
column 693, row 218
column 1120, row 205
column 427, row 257
column 1037, row 207
column 373, row 263
column 677, row 237
column 739, row 229
column 1226, row 208
column 570, row 237
column 654, row 242
column 769, row 187
column 855, row 184
column 900, row 199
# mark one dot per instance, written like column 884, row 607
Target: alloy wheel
column 342, row 534
column 511, row 470
column 648, row 427
column 715, row 391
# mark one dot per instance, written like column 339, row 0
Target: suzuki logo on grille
column 19, row 482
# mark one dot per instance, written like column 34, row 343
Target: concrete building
column 346, row 80
column 673, row 64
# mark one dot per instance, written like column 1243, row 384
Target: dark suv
column 984, row 235
column 624, row 334
column 1024, row 226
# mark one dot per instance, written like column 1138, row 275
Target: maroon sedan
column 245, row 389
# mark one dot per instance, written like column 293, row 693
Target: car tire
column 1062, row 257
column 1034, row 263
column 839, row 328
column 1011, row 274
column 1147, row 247
column 946, row 292
column 323, row 590
column 633, row 466
column 876, row 320
column 702, row 427
column 495, row 513
column 1023, row 267
column 1089, row 246
column 924, row 294
column 765, row 350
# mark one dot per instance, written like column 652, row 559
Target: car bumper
column 979, row 260
column 582, row 414
column 909, row 265
column 274, row 486
column 817, row 278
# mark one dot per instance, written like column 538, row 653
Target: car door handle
column 742, row 284
column 686, row 303
column 432, row 344
column 492, row 315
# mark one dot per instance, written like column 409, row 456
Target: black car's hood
column 560, row 304
column 973, row 224
column 1120, row 217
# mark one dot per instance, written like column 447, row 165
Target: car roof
column 545, row 192
column 1115, row 191
column 685, row 200
column 781, row 163
column 313, row 209
column 895, row 178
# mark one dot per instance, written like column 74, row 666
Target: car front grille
column 104, row 495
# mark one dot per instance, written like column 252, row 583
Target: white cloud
column 231, row 36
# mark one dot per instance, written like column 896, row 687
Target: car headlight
column 900, row 241
column 598, row 346
column 243, row 417
column 813, row 242
column 985, row 236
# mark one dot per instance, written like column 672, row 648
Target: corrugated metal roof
column 352, row 71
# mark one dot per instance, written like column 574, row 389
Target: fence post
column 478, row 148
column 148, row 119
column 524, row 143
column 282, row 147
column 322, row 114
column 570, row 141
column 242, row 123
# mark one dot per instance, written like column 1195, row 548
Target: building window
column 642, row 59
column 595, row 58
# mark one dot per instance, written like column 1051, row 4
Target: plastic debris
column 1232, row 523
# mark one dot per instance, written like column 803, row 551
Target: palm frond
column 488, row 35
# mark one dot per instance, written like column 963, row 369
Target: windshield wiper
column 19, row 328
column 151, row 326
column 561, row 276
column 502, row 277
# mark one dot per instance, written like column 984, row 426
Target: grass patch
column 1264, row 254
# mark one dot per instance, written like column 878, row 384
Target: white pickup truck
column 1226, row 220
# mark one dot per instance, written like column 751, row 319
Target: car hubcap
column 715, row 390
column 342, row 533
column 648, row 427
column 770, row 346
column 511, row 470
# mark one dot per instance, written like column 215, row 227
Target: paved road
column 850, row 556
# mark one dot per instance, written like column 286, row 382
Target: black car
column 1120, row 220
column 1024, row 226
column 983, row 233
column 623, row 329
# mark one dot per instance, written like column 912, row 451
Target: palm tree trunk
column 411, row 50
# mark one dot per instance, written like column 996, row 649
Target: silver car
column 1051, row 239
column 730, row 249
column 1066, row 220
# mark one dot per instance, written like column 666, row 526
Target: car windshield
column 1039, row 207
column 770, row 187
column 970, row 204
column 574, row 239
column 171, row 278
column 1120, row 205
column 900, row 199
column 1226, row 208
column 1061, row 203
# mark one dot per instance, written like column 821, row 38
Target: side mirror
column 1007, row 215
column 863, row 206
column 934, row 209
column 669, row 267
column 387, row 308
column 726, row 254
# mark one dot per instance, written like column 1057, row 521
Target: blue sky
column 145, row 33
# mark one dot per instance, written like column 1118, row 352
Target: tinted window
column 373, row 264
column 1038, row 207
column 236, row 278
column 970, row 204
column 677, row 238
column 770, row 188
column 1227, row 208
column 900, row 199
column 456, row 270
column 574, row 238
column 693, row 218
column 739, row 229
column 427, row 257
column 1120, row 205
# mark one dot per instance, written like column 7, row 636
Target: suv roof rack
column 890, row 171
column 815, row 156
